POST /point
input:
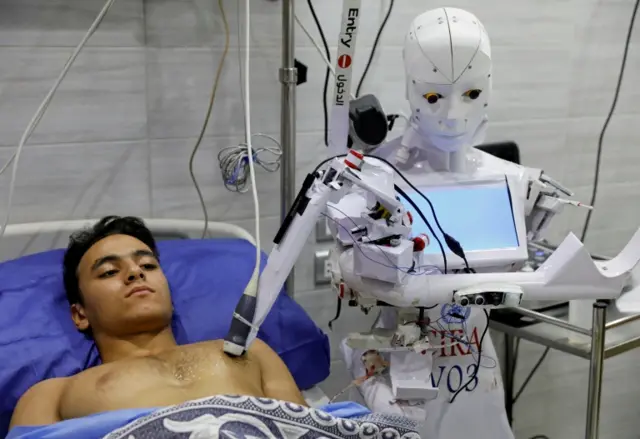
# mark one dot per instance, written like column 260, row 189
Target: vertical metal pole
column 288, row 79
column 595, row 369
column 507, row 374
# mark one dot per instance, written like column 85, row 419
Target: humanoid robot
column 447, row 60
column 442, row 366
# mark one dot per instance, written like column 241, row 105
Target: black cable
column 451, row 242
column 467, row 269
column 596, row 177
column 475, row 374
column 404, row 195
column 375, row 46
column 327, row 74
column 533, row 371
column 325, row 161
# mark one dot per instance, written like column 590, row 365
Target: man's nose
column 135, row 273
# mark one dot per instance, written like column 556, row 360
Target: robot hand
column 544, row 201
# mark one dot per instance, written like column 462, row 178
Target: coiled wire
column 234, row 162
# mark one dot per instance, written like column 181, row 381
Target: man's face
column 123, row 289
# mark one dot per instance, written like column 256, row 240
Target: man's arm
column 277, row 382
column 40, row 404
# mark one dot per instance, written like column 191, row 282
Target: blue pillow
column 38, row 339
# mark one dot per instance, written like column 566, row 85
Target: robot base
column 411, row 390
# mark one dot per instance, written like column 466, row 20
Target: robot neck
column 452, row 159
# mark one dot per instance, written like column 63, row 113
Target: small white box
column 388, row 264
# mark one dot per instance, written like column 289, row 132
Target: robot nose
column 456, row 110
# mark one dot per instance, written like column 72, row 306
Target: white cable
column 41, row 111
column 252, row 287
column 319, row 49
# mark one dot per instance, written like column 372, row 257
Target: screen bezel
column 502, row 257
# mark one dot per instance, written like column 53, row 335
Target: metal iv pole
column 288, row 79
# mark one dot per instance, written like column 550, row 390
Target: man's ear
column 79, row 317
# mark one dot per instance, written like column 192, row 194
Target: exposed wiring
column 475, row 374
column 449, row 240
column 424, row 218
column 596, row 177
column 37, row 117
column 413, row 271
column 207, row 117
column 493, row 363
column 234, row 162
column 375, row 47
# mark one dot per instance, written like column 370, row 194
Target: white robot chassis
column 377, row 259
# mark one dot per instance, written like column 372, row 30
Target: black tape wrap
column 239, row 330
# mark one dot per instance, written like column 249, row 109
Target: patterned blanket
column 243, row 417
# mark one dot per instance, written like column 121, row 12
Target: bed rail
column 173, row 227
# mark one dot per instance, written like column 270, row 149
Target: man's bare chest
column 186, row 373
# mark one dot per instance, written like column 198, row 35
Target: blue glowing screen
column 479, row 216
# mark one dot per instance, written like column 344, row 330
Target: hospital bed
column 38, row 339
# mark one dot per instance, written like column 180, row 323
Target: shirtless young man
column 119, row 293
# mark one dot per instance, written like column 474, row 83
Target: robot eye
column 472, row 94
column 432, row 98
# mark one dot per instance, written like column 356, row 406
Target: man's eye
column 108, row 273
column 149, row 266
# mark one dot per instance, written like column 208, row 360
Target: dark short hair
column 80, row 242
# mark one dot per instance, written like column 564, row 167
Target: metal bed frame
column 593, row 346
column 161, row 228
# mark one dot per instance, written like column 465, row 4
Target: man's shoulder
column 39, row 404
column 53, row 385
column 48, row 386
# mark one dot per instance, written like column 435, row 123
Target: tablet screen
column 479, row 216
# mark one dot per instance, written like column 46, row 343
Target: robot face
column 448, row 65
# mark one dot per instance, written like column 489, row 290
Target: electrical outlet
column 322, row 268
column 323, row 234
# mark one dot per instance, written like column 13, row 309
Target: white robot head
column 447, row 60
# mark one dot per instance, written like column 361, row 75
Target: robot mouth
column 450, row 135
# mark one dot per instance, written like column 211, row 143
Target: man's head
column 113, row 279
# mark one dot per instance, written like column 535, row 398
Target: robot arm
column 386, row 254
column 309, row 205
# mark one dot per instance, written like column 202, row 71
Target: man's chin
column 147, row 320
